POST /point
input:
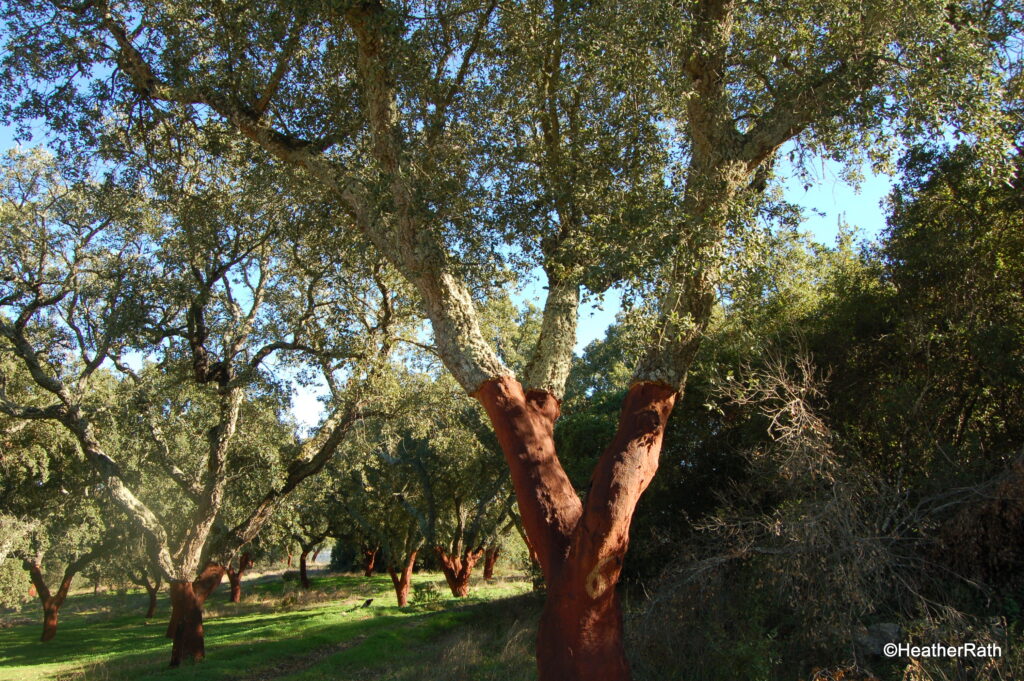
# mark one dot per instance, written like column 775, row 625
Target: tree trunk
column 187, row 624
column 402, row 582
column 579, row 548
column 369, row 561
column 457, row 570
column 314, row 556
column 153, row 591
column 289, row 559
column 51, row 602
column 235, row 577
column 50, row 609
column 303, row 577
column 490, row 558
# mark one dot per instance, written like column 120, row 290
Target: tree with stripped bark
column 388, row 108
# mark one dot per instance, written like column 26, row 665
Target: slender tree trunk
column 235, row 577
column 153, row 591
column 580, row 548
column 402, row 582
column 235, row 580
column 313, row 558
column 369, row 561
column 303, row 577
column 490, row 558
column 289, row 559
column 186, row 625
column 457, row 570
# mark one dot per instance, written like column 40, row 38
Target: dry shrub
column 498, row 647
column 809, row 566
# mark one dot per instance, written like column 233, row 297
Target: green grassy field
column 279, row 632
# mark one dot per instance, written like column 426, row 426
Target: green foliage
column 425, row 592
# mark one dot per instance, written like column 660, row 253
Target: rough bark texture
column 490, row 558
column 186, row 625
column 369, row 561
column 403, row 580
column 458, row 569
column 580, row 548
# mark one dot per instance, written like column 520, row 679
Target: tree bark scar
column 597, row 582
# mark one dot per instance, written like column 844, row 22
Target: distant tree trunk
column 402, row 581
column 490, row 558
column 316, row 553
column 51, row 602
column 186, row 625
column 235, row 577
column 303, row 577
column 289, row 559
column 457, row 569
column 369, row 560
column 153, row 591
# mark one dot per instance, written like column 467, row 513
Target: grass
column 279, row 632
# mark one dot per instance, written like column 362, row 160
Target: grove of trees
column 242, row 198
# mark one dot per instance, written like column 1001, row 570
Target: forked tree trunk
column 402, row 582
column 152, row 591
column 235, row 577
column 580, row 548
column 369, row 561
column 186, row 625
column 235, row 580
column 490, row 558
column 457, row 569
column 51, row 602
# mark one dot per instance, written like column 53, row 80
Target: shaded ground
column 279, row 632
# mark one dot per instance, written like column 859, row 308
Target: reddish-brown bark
column 490, row 558
column 51, row 602
column 187, row 620
column 580, row 549
column 186, row 625
column 457, row 569
column 235, row 577
column 402, row 582
column 369, row 560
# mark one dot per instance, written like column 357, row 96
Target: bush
column 425, row 592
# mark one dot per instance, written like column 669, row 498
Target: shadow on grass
column 257, row 641
column 416, row 643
